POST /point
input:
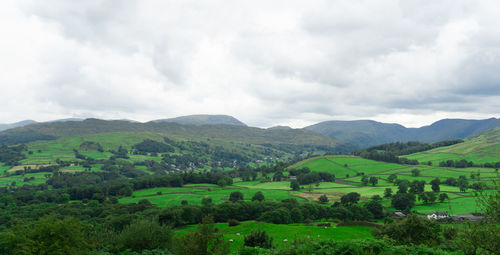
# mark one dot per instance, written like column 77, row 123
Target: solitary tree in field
column 388, row 193
column 392, row 177
column 435, row 185
column 323, row 199
column 294, row 185
column 364, row 180
column 415, row 172
column 442, row 197
column 258, row 196
column 373, row 180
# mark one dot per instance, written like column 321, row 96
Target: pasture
column 285, row 233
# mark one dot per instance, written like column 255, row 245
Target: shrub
column 259, row 238
column 233, row 222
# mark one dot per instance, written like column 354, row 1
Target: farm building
column 465, row 217
column 438, row 215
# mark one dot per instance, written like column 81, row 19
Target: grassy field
column 193, row 194
column 479, row 149
column 283, row 234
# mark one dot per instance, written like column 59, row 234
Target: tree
column 235, row 196
column 403, row 201
column 428, row 197
column 206, row 240
column 388, row 193
column 206, row 201
column 403, row 186
column 483, row 237
column 462, row 183
column 412, row 230
column 350, row 198
column 323, row 199
column 146, row 234
column 415, row 172
column 259, row 238
column 259, row 196
column 294, row 184
column 435, row 185
column 221, row 183
column 48, row 235
column 373, row 180
column 392, row 177
column 376, row 208
column 442, row 197
column 364, row 180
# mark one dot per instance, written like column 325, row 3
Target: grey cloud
column 266, row 63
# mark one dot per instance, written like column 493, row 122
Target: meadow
column 285, row 233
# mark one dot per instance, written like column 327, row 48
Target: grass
column 280, row 232
column 461, row 205
column 479, row 149
column 194, row 195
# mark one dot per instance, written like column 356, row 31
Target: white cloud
column 266, row 63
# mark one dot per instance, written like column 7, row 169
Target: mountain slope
column 365, row 133
column 482, row 148
column 203, row 119
column 17, row 124
column 251, row 135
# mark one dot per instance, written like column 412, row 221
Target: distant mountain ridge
column 365, row 133
column 251, row 135
column 17, row 124
column 204, row 119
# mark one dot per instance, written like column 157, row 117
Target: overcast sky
column 264, row 62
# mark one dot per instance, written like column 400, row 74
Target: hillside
column 364, row 133
column 204, row 119
column 17, row 124
column 482, row 148
column 251, row 135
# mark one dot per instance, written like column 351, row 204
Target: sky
column 266, row 63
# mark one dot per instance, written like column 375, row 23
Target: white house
column 438, row 215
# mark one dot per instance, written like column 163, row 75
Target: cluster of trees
column 151, row 146
column 399, row 148
column 10, row 155
column 464, row 163
column 387, row 157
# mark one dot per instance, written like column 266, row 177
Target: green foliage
column 259, row 196
column 153, row 146
column 350, row 198
column 387, row 193
column 48, row 235
column 233, row 222
column 235, row 196
column 376, row 208
column 145, row 234
column 294, row 185
column 403, row 201
column 323, row 199
column 204, row 241
column 412, row 230
column 259, row 238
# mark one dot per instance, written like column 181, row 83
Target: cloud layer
column 266, row 63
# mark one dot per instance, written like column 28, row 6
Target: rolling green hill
column 252, row 135
column 349, row 171
column 480, row 149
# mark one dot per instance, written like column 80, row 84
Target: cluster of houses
column 445, row 215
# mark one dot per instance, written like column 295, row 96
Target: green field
column 193, row 194
column 284, row 234
column 478, row 149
